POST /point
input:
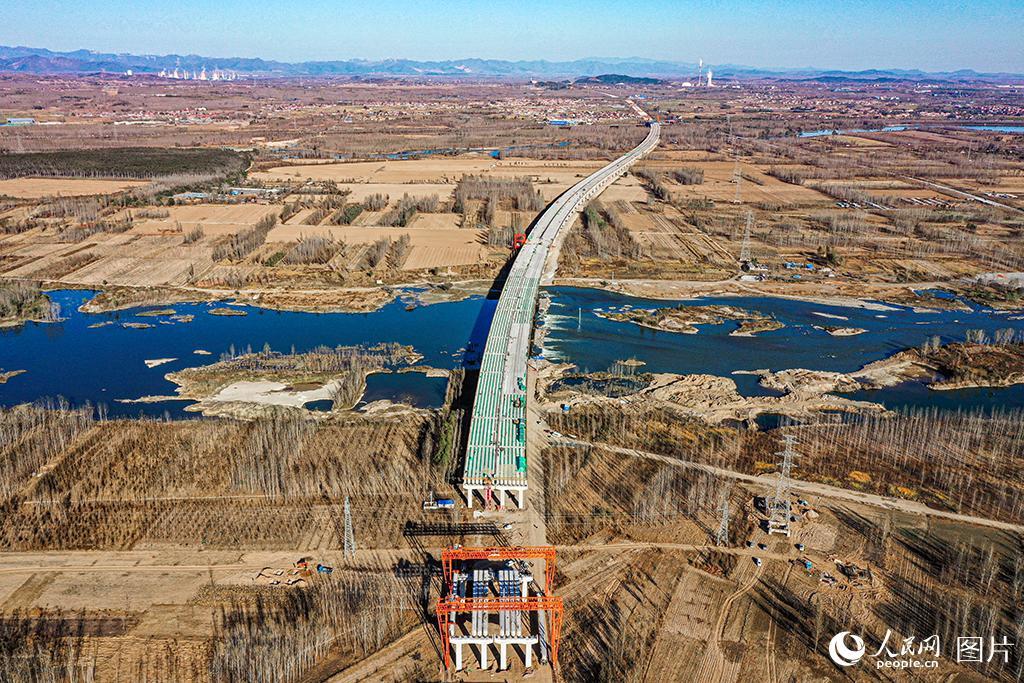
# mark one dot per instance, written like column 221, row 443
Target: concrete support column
column 504, row 657
column 469, row 498
column 483, row 655
column 458, row 656
column 501, row 498
column 528, row 648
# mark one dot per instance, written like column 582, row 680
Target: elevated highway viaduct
column 495, row 461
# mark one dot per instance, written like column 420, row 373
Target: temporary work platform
column 468, row 588
column 498, row 554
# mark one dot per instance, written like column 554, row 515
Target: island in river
column 684, row 319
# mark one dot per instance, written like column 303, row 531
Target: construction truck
column 438, row 503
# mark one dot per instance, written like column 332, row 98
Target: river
column 897, row 129
column 83, row 363
column 576, row 334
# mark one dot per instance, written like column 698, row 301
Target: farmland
column 148, row 548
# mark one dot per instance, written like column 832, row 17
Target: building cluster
column 179, row 74
column 230, row 194
column 563, row 111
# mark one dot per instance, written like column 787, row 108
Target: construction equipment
column 518, row 241
column 512, row 599
column 324, row 569
column 438, row 504
column 500, row 553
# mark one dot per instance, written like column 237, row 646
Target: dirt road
column 713, row 666
column 767, row 482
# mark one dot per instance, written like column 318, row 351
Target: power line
column 350, row 537
column 745, row 249
column 778, row 511
column 723, row 527
column 737, row 177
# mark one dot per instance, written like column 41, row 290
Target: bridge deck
column 496, row 453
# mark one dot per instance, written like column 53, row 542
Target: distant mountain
column 43, row 61
column 619, row 70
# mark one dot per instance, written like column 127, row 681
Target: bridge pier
column 516, row 494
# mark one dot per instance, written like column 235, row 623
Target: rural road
column 30, row 563
column 946, row 189
column 767, row 482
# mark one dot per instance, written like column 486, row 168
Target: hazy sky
column 928, row 34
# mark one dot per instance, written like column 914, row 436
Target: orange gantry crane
column 518, row 241
column 453, row 604
column 498, row 554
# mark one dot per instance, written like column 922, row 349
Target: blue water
column 896, row 129
column 917, row 395
column 832, row 131
column 998, row 129
column 594, row 343
column 414, row 388
column 100, row 365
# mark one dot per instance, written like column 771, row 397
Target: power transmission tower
column 745, row 248
column 350, row 537
column 778, row 509
column 723, row 527
column 737, row 177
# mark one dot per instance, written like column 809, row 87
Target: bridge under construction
column 495, row 463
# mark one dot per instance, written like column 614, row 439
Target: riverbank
column 92, row 344
column 8, row 374
column 333, row 300
column 869, row 296
column 711, row 398
column 925, row 296
column 970, row 365
column 248, row 384
column 22, row 302
column 797, row 393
